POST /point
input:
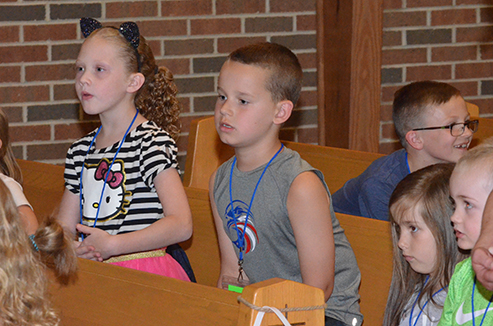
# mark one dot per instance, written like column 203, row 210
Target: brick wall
column 39, row 42
column 446, row 40
column 449, row 40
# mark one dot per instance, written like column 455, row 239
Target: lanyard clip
column 240, row 270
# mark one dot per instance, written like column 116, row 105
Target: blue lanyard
column 407, row 164
column 423, row 308
column 241, row 234
column 107, row 173
column 472, row 305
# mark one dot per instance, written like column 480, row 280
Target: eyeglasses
column 456, row 129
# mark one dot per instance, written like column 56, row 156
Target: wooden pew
column 372, row 244
column 485, row 130
column 206, row 152
column 370, row 239
column 43, row 186
column 109, row 295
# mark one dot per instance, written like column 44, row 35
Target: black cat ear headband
column 129, row 30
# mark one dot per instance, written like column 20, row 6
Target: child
column 468, row 302
column 482, row 254
column 430, row 119
column 23, row 281
column 122, row 182
column 425, row 251
column 283, row 201
column 11, row 175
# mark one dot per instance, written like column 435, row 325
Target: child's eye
column 100, row 69
column 413, row 228
column 467, row 205
column 221, row 97
column 452, row 202
column 79, row 69
column 243, row 102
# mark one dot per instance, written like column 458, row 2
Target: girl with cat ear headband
column 124, row 196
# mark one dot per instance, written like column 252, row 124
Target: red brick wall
column 449, row 40
column 446, row 40
column 39, row 42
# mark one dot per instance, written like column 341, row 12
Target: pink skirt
column 155, row 262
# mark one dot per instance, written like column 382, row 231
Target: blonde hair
column 23, row 284
column 427, row 192
column 8, row 164
column 156, row 99
column 481, row 157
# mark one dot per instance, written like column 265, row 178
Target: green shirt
column 458, row 309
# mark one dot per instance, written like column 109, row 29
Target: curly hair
column 8, row 164
column 23, row 283
column 156, row 99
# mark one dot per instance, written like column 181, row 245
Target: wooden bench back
column 372, row 245
column 485, row 130
column 43, row 186
column 370, row 239
column 108, row 295
column 206, row 152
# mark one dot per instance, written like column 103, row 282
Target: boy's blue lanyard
column 407, row 164
column 423, row 308
column 107, row 173
column 472, row 305
column 241, row 235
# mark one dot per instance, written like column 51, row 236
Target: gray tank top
column 270, row 243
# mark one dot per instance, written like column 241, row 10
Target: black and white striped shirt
column 130, row 200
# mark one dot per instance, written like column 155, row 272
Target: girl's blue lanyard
column 107, row 173
column 423, row 308
column 472, row 305
column 240, row 234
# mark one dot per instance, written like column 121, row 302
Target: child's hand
column 482, row 262
column 87, row 252
column 97, row 239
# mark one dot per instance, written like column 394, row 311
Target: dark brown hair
column 286, row 74
column 412, row 101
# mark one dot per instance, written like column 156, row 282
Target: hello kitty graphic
column 240, row 212
column 115, row 197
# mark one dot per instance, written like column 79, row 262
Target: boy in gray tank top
column 291, row 229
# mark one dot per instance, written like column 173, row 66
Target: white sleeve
column 16, row 191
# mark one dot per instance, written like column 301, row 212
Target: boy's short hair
column 286, row 74
column 412, row 101
column 479, row 157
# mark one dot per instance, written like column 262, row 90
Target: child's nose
column 455, row 218
column 84, row 78
column 467, row 132
column 402, row 243
column 225, row 108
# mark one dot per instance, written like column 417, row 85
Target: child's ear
column 414, row 140
column 284, row 109
column 136, row 82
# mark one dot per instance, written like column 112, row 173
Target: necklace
column 241, row 234
column 423, row 308
column 472, row 305
column 107, row 173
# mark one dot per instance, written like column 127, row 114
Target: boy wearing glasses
column 433, row 126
